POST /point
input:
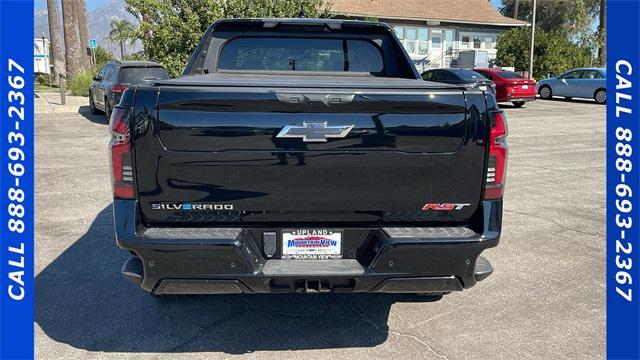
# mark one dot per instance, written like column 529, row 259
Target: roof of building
column 460, row 11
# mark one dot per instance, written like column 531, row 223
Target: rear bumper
column 516, row 98
column 377, row 259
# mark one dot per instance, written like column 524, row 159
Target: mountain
column 99, row 24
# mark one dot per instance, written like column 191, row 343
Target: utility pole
column 533, row 38
column 59, row 66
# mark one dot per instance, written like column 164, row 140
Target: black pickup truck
column 306, row 155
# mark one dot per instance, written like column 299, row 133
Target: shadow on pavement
column 574, row 100
column 98, row 119
column 82, row 300
column 508, row 105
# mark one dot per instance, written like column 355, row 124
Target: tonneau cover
column 307, row 80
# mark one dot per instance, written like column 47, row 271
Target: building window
column 436, row 41
column 411, row 34
column 489, row 43
column 464, row 43
column 422, row 34
column 414, row 39
column 477, row 42
column 411, row 47
column 423, row 45
column 423, row 48
column 448, row 38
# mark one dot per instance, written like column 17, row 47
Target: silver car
column 588, row 83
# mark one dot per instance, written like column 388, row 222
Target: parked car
column 115, row 77
column 470, row 79
column 590, row 83
column 510, row 86
column 307, row 155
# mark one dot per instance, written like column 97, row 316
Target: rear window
column 132, row 75
column 509, row 75
column 468, row 75
column 301, row 54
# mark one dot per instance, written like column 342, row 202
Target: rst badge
column 444, row 207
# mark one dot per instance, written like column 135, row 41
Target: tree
column 569, row 17
column 59, row 66
column 170, row 29
column 121, row 32
column 553, row 53
column 602, row 33
column 83, row 31
column 515, row 9
column 72, row 47
column 102, row 57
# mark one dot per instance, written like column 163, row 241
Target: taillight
column 118, row 88
column 121, row 161
column 498, row 149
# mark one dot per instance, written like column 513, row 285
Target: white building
column 435, row 32
column 41, row 63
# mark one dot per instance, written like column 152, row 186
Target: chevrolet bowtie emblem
column 314, row 132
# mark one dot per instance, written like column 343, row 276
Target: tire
column 107, row 108
column 92, row 105
column 518, row 104
column 545, row 92
column 600, row 96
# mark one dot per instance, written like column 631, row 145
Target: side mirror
column 97, row 78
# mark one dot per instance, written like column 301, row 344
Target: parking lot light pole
column 533, row 37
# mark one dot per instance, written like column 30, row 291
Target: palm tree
column 121, row 32
column 514, row 12
column 57, row 46
column 83, row 31
column 72, row 46
column 602, row 28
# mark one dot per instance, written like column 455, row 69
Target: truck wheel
column 518, row 104
column 600, row 96
column 92, row 105
column 545, row 92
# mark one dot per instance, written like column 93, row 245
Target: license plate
column 311, row 244
column 482, row 87
column 525, row 87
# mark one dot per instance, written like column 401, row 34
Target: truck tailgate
column 211, row 154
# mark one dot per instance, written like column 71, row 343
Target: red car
column 510, row 86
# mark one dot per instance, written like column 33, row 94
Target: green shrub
column 102, row 57
column 42, row 79
column 79, row 85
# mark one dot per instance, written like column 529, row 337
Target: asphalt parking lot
column 546, row 299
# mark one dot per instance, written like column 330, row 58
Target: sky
column 92, row 4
